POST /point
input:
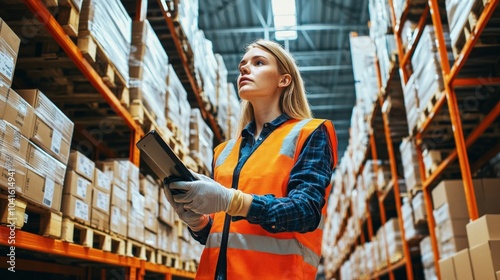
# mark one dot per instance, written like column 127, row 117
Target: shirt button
column 265, row 125
column 260, row 138
column 273, row 226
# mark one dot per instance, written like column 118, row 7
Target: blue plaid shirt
column 300, row 211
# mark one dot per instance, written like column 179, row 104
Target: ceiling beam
column 331, row 95
column 305, row 27
column 331, row 107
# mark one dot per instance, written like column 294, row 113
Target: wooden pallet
column 168, row 259
column 30, row 216
column 135, row 249
column 468, row 29
column 189, row 266
column 68, row 17
column 427, row 109
column 77, row 233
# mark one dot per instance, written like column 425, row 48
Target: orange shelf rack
column 136, row 268
column 451, row 81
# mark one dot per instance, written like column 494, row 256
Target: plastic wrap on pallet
column 13, row 151
column 110, row 24
column 380, row 17
column 45, row 165
column 363, row 63
column 188, row 17
column 411, row 103
column 175, row 89
column 457, row 14
column 9, row 48
column 234, row 110
column 410, row 163
column 201, row 141
column 149, row 68
column 223, row 108
column 385, row 47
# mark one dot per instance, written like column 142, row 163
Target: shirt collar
column 249, row 129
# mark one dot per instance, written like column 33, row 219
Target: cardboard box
column 99, row 219
column 4, row 93
column 151, row 239
column 9, row 48
column 119, row 197
column 102, row 181
column 448, row 191
column 13, row 151
column 82, row 165
column 118, row 221
column 150, row 221
column 447, row 211
column 19, row 113
column 483, row 229
column 43, row 190
column 452, row 228
column 115, row 170
column 48, row 112
column 486, row 196
column 45, row 165
column 498, row 275
column 451, row 246
column 166, row 212
column 463, row 266
column 50, row 139
column 75, row 208
column 100, row 201
column 485, row 260
column 78, row 186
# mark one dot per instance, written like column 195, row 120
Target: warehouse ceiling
column 322, row 48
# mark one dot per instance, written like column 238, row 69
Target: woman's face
column 259, row 76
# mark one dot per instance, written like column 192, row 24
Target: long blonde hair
column 293, row 100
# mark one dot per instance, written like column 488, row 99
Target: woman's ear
column 285, row 80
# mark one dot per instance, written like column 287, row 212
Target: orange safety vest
column 253, row 252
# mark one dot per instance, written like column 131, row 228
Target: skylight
column 285, row 19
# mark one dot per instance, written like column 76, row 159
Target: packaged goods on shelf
column 201, row 141
column 44, row 179
column 234, row 111
column 178, row 107
column 463, row 265
column 102, row 180
column 369, row 176
column 52, row 129
column 18, row 112
column 166, row 212
column 411, row 103
column 100, row 209
column 458, row 14
column 427, row 257
column 410, row 164
column 363, row 60
column 4, row 93
column 380, row 17
column 135, row 226
column 118, row 221
column 75, row 209
column 447, row 268
column 82, row 165
column 188, row 17
column 148, row 71
column 413, row 230
column 206, row 65
column 393, row 239
column 117, row 171
column 419, row 211
column 385, row 47
column 9, row 48
column 109, row 25
column 77, row 186
column 384, row 175
column 484, row 229
column 13, row 155
column 150, row 238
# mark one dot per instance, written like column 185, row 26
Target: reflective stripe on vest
column 265, row 244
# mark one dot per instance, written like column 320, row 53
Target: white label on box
column 123, row 173
column 81, row 187
column 9, row 162
column 3, row 127
column 86, row 166
column 102, row 201
column 6, row 65
column 56, row 141
column 48, row 192
column 119, row 193
column 81, row 210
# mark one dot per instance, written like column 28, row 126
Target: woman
column 260, row 218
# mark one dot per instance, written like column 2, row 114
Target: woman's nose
column 244, row 69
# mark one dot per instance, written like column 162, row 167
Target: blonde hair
column 293, row 100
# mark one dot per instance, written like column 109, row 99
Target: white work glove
column 203, row 196
column 194, row 220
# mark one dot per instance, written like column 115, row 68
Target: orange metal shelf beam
column 407, row 56
column 59, row 35
column 489, row 8
column 45, row 267
column 180, row 51
column 454, row 115
column 471, row 138
column 392, row 268
column 481, row 81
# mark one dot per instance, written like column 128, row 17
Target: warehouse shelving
column 32, row 244
column 452, row 80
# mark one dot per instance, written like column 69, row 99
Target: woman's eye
column 259, row 63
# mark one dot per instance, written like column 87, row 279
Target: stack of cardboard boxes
column 118, row 174
column 149, row 188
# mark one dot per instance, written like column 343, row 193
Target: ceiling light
column 285, row 19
